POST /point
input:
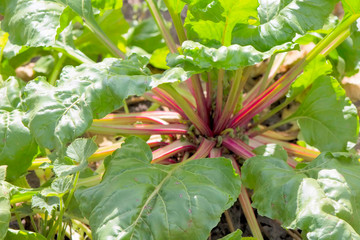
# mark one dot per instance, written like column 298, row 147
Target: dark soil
column 271, row 230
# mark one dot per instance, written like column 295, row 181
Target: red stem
column 169, row 101
column 204, row 149
column 269, row 96
column 200, row 98
column 238, row 147
column 139, row 129
column 171, row 149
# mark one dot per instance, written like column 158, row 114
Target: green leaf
column 322, row 199
column 158, row 58
column 280, row 21
column 271, row 150
column 3, row 172
column 316, row 68
column 47, row 203
column 351, row 7
column 146, row 35
column 233, row 236
column 107, row 4
column 23, row 235
column 10, row 93
column 62, row 185
column 5, row 213
column 17, row 155
column 213, row 21
column 327, row 118
column 55, row 116
column 114, row 25
column 137, row 199
column 44, row 65
column 199, row 58
column 79, row 151
column 31, row 22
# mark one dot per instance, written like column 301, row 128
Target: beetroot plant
column 204, row 140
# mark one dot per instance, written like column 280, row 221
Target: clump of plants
column 179, row 165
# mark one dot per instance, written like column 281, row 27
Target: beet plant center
column 179, row 119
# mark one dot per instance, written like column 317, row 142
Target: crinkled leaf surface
column 23, row 235
column 322, row 199
column 4, row 209
column 47, row 203
column 327, row 118
column 79, row 151
column 280, row 20
column 31, row 22
column 37, row 22
column 212, row 21
column 17, row 146
column 140, row 200
column 271, row 150
column 199, row 58
column 10, row 93
column 55, row 116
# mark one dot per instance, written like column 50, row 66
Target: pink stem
column 238, row 147
column 215, row 153
column 171, row 149
column 269, row 96
column 203, row 150
column 169, row 101
column 139, row 129
column 160, row 117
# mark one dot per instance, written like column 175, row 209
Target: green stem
column 176, row 18
column 190, row 113
column 105, row 40
column 126, row 108
column 18, row 219
column 33, row 223
column 267, row 73
column 57, row 68
column 161, row 25
column 325, row 42
column 58, row 221
column 233, row 98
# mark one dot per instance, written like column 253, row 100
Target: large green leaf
column 351, row 7
column 5, row 213
column 23, row 235
column 140, row 200
column 281, row 20
column 31, row 22
column 198, row 58
column 114, row 25
column 322, row 199
column 55, row 116
column 146, row 35
column 10, row 93
column 214, row 20
column 327, row 118
column 17, row 147
column 38, row 22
